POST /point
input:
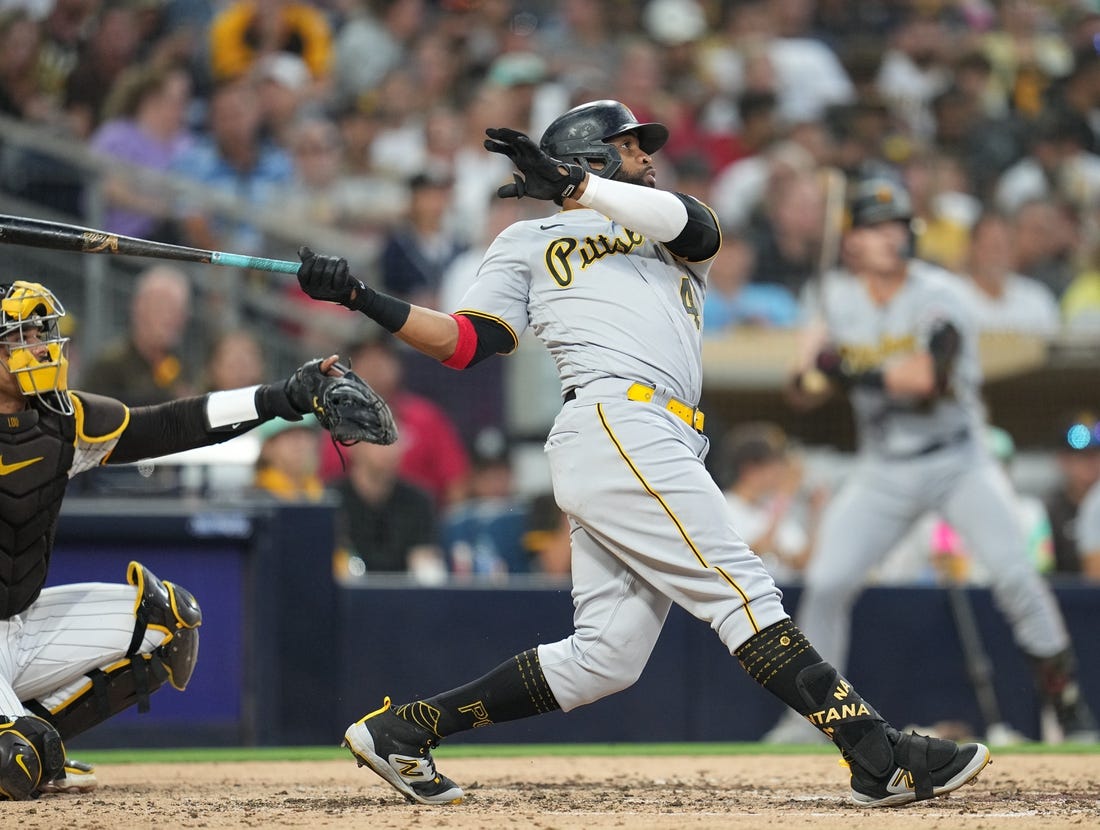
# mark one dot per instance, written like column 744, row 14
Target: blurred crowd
column 367, row 116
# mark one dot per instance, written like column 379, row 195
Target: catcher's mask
column 580, row 135
column 29, row 331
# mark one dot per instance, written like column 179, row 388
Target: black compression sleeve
column 166, row 428
column 701, row 237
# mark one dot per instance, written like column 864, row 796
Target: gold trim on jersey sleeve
column 492, row 318
column 679, row 526
column 78, row 411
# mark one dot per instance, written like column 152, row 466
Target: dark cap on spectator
column 491, row 448
column 430, row 177
column 750, row 444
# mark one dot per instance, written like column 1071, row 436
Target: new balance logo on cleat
column 902, row 782
column 400, row 753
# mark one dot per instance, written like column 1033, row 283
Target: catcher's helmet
column 29, row 329
column 878, row 200
column 579, row 136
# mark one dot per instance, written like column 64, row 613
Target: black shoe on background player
column 1076, row 722
column 922, row 768
column 400, row 752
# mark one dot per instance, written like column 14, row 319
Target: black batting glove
column 829, row 362
column 544, row 177
column 328, row 278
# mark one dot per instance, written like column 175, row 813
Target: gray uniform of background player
column 649, row 524
column 896, row 480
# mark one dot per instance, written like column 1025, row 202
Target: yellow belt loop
column 688, row 414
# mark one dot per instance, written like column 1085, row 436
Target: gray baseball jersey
column 917, row 457
column 869, row 336
column 606, row 302
column 649, row 525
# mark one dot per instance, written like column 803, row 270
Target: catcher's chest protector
column 36, row 452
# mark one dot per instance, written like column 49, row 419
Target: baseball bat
column 58, row 236
column 978, row 665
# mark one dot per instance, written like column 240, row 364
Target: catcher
column 74, row 655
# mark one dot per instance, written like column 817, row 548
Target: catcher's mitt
column 345, row 405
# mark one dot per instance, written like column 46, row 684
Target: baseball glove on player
column 345, row 405
column 544, row 177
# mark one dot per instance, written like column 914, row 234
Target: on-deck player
column 73, row 655
column 614, row 285
column 898, row 335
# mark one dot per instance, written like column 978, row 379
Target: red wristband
column 466, row 346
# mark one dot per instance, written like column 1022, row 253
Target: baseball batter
column 899, row 336
column 73, row 655
column 614, row 285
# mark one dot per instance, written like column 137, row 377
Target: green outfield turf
column 314, row 753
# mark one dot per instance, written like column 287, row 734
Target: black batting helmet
column 579, row 136
column 878, row 200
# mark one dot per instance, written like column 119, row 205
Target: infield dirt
column 563, row 793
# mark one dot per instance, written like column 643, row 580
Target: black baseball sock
column 781, row 659
column 515, row 689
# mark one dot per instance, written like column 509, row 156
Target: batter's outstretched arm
column 457, row 340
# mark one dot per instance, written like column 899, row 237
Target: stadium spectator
column 232, row 160
column 111, row 46
column 734, row 300
column 762, row 481
column 1057, row 166
column 235, row 361
column 417, row 251
column 1080, row 304
column 246, row 30
column 283, row 87
column 1006, row 301
column 944, row 208
column 483, row 534
column 373, row 41
column 433, row 456
column 1088, row 534
column 145, row 126
column 146, row 365
column 286, row 467
column 788, row 240
column 384, row 523
column 1077, row 454
column 1045, row 236
column 21, row 94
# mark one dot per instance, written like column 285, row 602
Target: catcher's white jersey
column 650, row 526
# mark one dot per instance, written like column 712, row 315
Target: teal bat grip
column 280, row 266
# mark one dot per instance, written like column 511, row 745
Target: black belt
column 571, row 395
column 960, row 437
